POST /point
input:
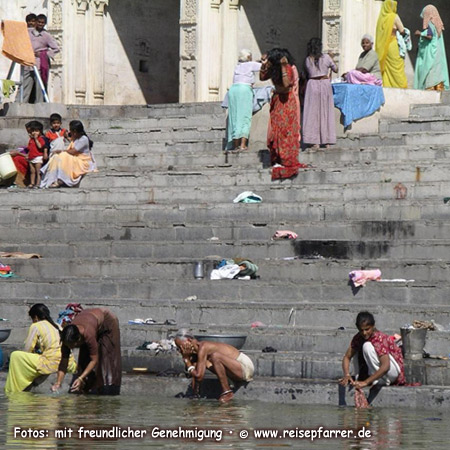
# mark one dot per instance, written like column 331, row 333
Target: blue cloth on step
column 356, row 101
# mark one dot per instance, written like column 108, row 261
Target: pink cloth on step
column 360, row 277
column 357, row 77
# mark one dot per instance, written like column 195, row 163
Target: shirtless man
column 224, row 360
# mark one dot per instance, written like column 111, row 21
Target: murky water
column 388, row 428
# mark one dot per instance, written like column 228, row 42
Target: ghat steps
column 128, row 238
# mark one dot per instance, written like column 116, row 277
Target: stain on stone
column 126, row 236
column 108, row 237
column 388, row 229
column 341, row 249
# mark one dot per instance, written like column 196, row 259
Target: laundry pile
column 162, row 346
column 5, row 271
column 237, row 268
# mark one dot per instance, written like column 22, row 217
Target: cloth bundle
column 360, row 277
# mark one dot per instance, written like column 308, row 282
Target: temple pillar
column 55, row 28
column 229, row 44
column 79, row 60
column 188, row 51
column 97, row 58
column 214, row 58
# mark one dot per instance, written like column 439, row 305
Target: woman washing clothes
column 240, row 101
column 392, row 65
column 318, row 115
column 66, row 168
column 431, row 63
column 283, row 135
column 41, row 354
column 96, row 333
column 368, row 67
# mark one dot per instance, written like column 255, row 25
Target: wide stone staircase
column 130, row 236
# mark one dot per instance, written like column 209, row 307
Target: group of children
column 41, row 146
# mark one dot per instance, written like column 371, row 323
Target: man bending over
column 224, row 360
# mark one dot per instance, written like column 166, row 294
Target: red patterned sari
column 283, row 136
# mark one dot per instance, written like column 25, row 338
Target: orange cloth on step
column 17, row 42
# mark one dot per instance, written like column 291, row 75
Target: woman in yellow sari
column 391, row 63
column 41, row 354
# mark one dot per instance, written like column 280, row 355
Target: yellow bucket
column 7, row 166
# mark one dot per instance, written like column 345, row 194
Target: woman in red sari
column 283, row 136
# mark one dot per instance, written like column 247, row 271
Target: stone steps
column 129, row 237
column 285, row 338
column 123, row 229
column 36, row 289
column 318, row 270
column 52, row 207
column 255, row 249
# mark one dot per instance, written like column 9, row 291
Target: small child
column 37, row 152
column 56, row 134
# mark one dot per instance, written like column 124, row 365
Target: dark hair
column 364, row 318
column 314, row 49
column 35, row 125
column 55, row 116
column 41, row 311
column 76, row 125
column 42, row 16
column 30, row 16
column 70, row 335
column 28, row 124
column 274, row 56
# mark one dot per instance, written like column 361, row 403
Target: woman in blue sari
column 431, row 64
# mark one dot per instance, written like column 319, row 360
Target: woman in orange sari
column 283, row 136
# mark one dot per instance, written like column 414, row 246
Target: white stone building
column 154, row 51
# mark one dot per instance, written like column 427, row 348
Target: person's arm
column 333, row 65
column 62, row 368
column 264, row 69
column 426, row 34
column 31, row 340
column 385, row 365
column 78, row 383
column 399, row 25
column 285, row 72
column 199, row 372
column 53, row 47
column 347, row 378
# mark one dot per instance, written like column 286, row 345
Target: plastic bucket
column 413, row 340
column 7, row 166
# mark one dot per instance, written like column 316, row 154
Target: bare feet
column 226, row 396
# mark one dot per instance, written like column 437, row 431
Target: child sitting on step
column 56, row 134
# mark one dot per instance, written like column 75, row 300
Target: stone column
column 215, row 47
column 229, row 47
column 331, row 29
column 80, row 56
column 188, row 84
column 55, row 28
column 97, row 59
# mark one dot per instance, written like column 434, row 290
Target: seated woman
column 66, row 168
column 368, row 67
column 41, row 354
column 96, row 333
